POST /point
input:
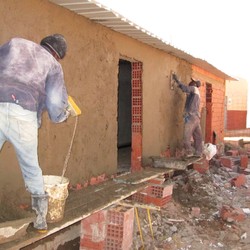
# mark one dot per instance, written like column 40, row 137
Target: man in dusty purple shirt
column 192, row 127
column 31, row 81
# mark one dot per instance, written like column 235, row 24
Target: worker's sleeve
column 186, row 89
column 56, row 96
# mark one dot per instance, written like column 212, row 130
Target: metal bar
column 139, row 226
column 150, row 223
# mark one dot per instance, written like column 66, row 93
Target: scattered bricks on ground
column 239, row 181
column 201, row 166
column 232, row 214
column 243, row 161
column 230, row 161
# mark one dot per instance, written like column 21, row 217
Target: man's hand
column 68, row 112
column 175, row 78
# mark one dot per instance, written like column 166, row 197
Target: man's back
column 27, row 72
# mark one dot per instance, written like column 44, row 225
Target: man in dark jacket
column 192, row 127
column 31, row 80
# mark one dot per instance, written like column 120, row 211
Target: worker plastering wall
column 91, row 75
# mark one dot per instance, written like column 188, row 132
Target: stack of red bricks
column 237, row 162
column 158, row 193
column 233, row 159
column 93, row 231
column 120, row 227
column 110, row 229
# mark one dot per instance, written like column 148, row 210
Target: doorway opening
column 209, row 91
column 129, row 136
column 124, row 138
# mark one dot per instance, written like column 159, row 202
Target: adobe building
column 236, row 104
column 120, row 76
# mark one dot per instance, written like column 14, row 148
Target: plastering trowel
column 73, row 108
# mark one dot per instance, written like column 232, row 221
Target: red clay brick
column 201, row 166
column 230, row 214
column 160, row 191
column 120, row 228
column 243, row 161
column 239, row 181
column 229, row 161
column 110, row 229
column 120, row 215
column 161, row 202
column 116, row 244
column 93, row 228
column 139, row 197
column 93, row 181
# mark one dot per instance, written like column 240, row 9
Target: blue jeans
column 19, row 127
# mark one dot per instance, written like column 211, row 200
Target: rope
column 69, row 151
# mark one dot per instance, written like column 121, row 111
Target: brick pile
column 234, row 159
column 120, row 227
column 109, row 229
column 158, row 193
column 93, row 231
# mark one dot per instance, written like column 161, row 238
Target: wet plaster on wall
column 90, row 70
column 160, row 119
column 91, row 75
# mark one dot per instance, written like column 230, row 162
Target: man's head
column 195, row 83
column 56, row 43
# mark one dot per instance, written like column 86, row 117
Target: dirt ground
column 177, row 226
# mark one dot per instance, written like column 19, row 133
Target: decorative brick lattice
column 120, row 222
column 136, row 116
column 137, row 97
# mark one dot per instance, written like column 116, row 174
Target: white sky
column 214, row 30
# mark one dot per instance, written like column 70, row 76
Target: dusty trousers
column 19, row 127
column 192, row 128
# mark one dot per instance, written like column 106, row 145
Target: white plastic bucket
column 57, row 189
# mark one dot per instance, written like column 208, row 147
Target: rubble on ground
column 209, row 210
column 208, row 207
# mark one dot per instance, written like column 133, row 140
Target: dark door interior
column 124, row 115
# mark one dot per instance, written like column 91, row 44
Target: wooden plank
column 82, row 203
column 141, row 176
column 140, row 205
column 173, row 163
